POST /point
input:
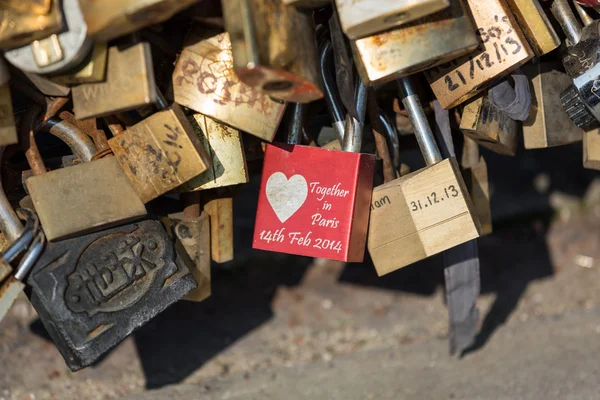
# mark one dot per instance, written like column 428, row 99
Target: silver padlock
column 58, row 52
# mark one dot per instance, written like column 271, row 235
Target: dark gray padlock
column 92, row 291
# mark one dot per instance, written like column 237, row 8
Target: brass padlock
column 547, row 124
column 360, row 18
column 274, row 48
column 204, row 81
column 535, row 25
column 591, row 149
column 475, row 174
column 419, row 45
column 129, row 84
column 39, row 7
column 503, row 49
column 92, row 69
column 94, row 194
column 224, row 146
column 20, row 28
column 489, row 126
column 160, row 153
column 424, row 212
column 109, row 19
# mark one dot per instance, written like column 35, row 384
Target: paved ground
column 290, row 327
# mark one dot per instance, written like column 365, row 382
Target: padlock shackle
column 583, row 15
column 10, row 224
column 567, row 21
column 332, row 100
column 296, row 125
column 31, row 226
column 80, row 144
column 418, row 119
column 353, row 128
column 32, row 255
column 27, row 131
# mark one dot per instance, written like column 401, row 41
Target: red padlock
column 315, row 202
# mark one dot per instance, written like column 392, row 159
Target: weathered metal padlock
column 503, row 49
column 548, row 125
column 57, row 52
column 535, row 25
column 475, row 174
column 109, row 19
column 204, row 81
column 129, row 83
column 161, row 152
column 419, row 45
column 94, row 194
column 422, row 213
column 94, row 290
column 489, row 126
column 274, row 48
column 315, row 202
column 219, row 207
column 360, row 18
column 19, row 28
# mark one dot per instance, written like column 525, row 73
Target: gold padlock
column 419, row 45
column 92, row 69
column 220, row 210
column 591, row 149
column 548, row 124
column 20, row 28
column 204, row 81
column 489, row 126
column 109, row 19
column 503, row 49
column 129, row 84
column 475, row 174
column 224, row 146
column 274, row 48
column 39, row 7
column 360, row 18
column 535, row 25
column 160, row 153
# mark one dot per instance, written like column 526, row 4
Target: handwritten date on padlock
column 313, row 202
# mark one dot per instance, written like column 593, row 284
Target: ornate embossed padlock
column 274, row 48
column 489, row 126
column 547, row 124
column 204, row 81
column 475, row 174
column 422, row 44
column 92, row 291
column 304, row 211
column 360, row 18
column 503, row 49
column 129, row 83
column 95, row 194
column 422, row 213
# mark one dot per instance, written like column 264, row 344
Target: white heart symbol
column 286, row 196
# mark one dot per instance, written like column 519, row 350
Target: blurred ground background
column 283, row 327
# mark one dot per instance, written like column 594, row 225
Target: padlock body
column 224, row 146
column 535, row 25
column 547, row 124
column 424, row 43
column 419, row 215
column 83, row 198
column 503, row 49
column 92, row 70
column 160, row 153
column 92, row 291
column 204, row 81
column 476, row 182
column 314, row 202
column 489, row 126
column 129, row 84
column 591, row 149
column 20, row 29
column 360, row 18
column 220, row 210
column 8, row 130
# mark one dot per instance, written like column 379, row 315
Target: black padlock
column 94, row 290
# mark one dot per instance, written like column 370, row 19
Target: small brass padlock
column 360, row 18
column 503, row 49
column 220, row 210
column 204, row 81
column 547, row 124
column 535, row 25
column 129, row 84
column 274, row 48
column 419, row 45
column 424, row 212
column 489, row 126
column 91, row 70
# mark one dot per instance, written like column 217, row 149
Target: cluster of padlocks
column 173, row 98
